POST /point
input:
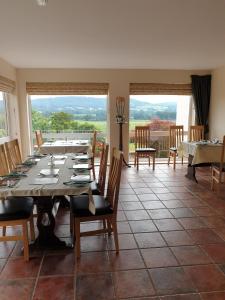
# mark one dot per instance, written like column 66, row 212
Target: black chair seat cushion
column 16, row 208
column 217, row 166
column 174, row 149
column 145, row 150
column 79, row 206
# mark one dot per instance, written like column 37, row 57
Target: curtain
column 201, row 90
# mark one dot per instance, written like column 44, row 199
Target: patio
column 172, row 241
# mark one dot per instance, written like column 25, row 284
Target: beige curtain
column 66, row 88
column 159, row 89
column 7, row 85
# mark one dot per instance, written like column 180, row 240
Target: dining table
column 45, row 178
column 65, row 146
column 200, row 154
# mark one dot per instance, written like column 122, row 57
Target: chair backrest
column 196, row 133
column 39, row 138
column 93, row 142
column 13, row 154
column 103, row 168
column 142, row 137
column 4, row 169
column 222, row 159
column 176, row 135
column 114, row 179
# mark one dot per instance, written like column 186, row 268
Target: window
column 3, row 115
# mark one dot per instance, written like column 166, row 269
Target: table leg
column 191, row 169
column 46, row 224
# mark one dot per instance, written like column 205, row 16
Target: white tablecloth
column 201, row 152
column 69, row 146
column 25, row 187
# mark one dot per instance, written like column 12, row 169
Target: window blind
column 7, row 85
column 159, row 89
column 66, row 88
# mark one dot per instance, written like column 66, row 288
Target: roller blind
column 7, row 85
column 159, row 89
column 66, row 88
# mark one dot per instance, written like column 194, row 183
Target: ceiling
column 155, row 34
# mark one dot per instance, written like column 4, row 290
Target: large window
column 69, row 116
column 159, row 112
column 3, row 116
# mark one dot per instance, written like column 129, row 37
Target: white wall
column 118, row 80
column 217, row 105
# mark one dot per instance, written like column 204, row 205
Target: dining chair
column 93, row 149
column 176, row 137
column 142, row 146
column 13, row 154
column 15, row 211
column 39, row 138
column 105, row 207
column 218, row 169
column 196, row 133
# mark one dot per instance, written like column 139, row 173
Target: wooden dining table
column 45, row 182
column 200, row 154
column 65, row 146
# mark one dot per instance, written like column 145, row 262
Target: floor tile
column 191, row 223
column 159, row 257
column 213, row 296
column 95, row 287
column 171, row 280
column 160, row 214
column 148, row 197
column 133, row 284
column 182, row 297
column 17, row 268
column 123, row 227
column 126, row 241
column 173, row 203
column 215, row 251
column 153, row 204
column 204, row 236
column 190, row 255
column 167, row 225
column 131, row 205
column 142, row 226
column 125, row 198
column 167, row 196
column 206, row 278
column 55, row 288
column 137, row 215
column 182, row 212
column 147, row 240
column 177, row 238
column 93, row 262
column 58, row 265
column 127, row 259
column 93, row 243
column 20, row 289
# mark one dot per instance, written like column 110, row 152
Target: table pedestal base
column 191, row 169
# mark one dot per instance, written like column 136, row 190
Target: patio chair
column 93, row 148
column 218, row 169
column 142, row 146
column 105, row 207
column 196, row 133
column 176, row 137
column 39, row 138
column 15, row 211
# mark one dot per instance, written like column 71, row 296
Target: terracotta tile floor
column 172, row 241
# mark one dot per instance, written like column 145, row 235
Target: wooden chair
column 176, row 137
column 218, row 169
column 13, row 154
column 98, row 188
column 106, row 207
column 15, row 211
column 39, row 138
column 93, row 148
column 196, row 133
column 142, row 145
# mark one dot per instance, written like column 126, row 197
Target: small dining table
column 45, row 181
column 200, row 154
column 65, row 146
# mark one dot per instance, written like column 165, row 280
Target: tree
column 39, row 121
column 61, row 121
